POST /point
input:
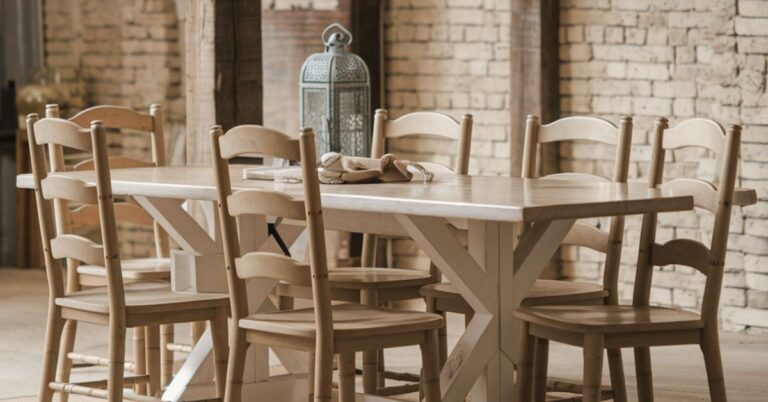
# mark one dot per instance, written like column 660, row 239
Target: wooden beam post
column 534, row 73
column 367, row 21
column 223, row 68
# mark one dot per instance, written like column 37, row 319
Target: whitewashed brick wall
column 678, row 59
column 450, row 56
column 119, row 52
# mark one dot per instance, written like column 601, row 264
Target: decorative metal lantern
column 336, row 96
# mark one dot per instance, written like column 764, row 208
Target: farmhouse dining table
column 514, row 228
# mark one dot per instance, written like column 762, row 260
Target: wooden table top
column 494, row 198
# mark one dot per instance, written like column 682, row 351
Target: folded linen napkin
column 337, row 169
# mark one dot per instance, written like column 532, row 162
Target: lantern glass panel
column 314, row 106
column 352, row 117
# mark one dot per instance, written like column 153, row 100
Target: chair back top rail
column 579, row 128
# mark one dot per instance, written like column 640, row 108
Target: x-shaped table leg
column 493, row 275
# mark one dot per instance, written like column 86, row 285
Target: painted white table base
column 479, row 273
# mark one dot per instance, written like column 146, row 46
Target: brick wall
column 677, row 59
column 119, row 52
column 452, row 57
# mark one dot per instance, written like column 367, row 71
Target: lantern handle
column 325, row 35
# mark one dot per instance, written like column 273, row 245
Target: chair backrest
column 430, row 124
column 50, row 187
column 257, row 140
column 718, row 198
column 122, row 118
column 593, row 130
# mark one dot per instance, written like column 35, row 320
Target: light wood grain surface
column 473, row 197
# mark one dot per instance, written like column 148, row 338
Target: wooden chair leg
column 370, row 357
column 152, row 334
column 65, row 363
column 324, row 376
column 196, row 331
column 51, row 354
column 346, row 377
column 616, row 366
column 219, row 334
column 644, row 374
column 442, row 333
column 525, row 365
column 593, row 366
column 116, row 373
column 710, row 347
column 430, row 373
column 540, row 366
column 139, row 358
column 236, row 365
column 166, row 356
column 381, row 379
column 311, row 377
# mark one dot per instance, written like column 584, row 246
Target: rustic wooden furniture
column 493, row 274
column 84, row 217
column 640, row 325
column 324, row 330
column 116, row 305
column 443, row 297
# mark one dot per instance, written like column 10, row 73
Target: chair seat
column 349, row 321
column 143, row 297
column 610, row 319
column 377, row 278
column 134, row 269
column 544, row 291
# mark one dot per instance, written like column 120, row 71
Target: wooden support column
column 367, row 17
column 223, row 67
column 534, row 74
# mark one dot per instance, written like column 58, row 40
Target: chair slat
column 273, row 266
column 584, row 235
column 62, row 132
column 696, row 132
column 268, row 203
column 252, row 140
column 114, row 117
column 68, row 188
column 78, row 248
column 688, row 252
column 580, row 128
column 704, row 193
column 423, row 123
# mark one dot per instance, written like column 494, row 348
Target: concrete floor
column 678, row 371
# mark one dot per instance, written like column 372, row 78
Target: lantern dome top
column 335, row 65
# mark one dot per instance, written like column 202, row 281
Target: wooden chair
column 640, row 325
column 85, row 217
column 443, row 297
column 324, row 330
column 375, row 286
column 117, row 305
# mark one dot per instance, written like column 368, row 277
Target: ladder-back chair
column 85, row 217
column 443, row 297
column 117, row 305
column 641, row 325
column 325, row 329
